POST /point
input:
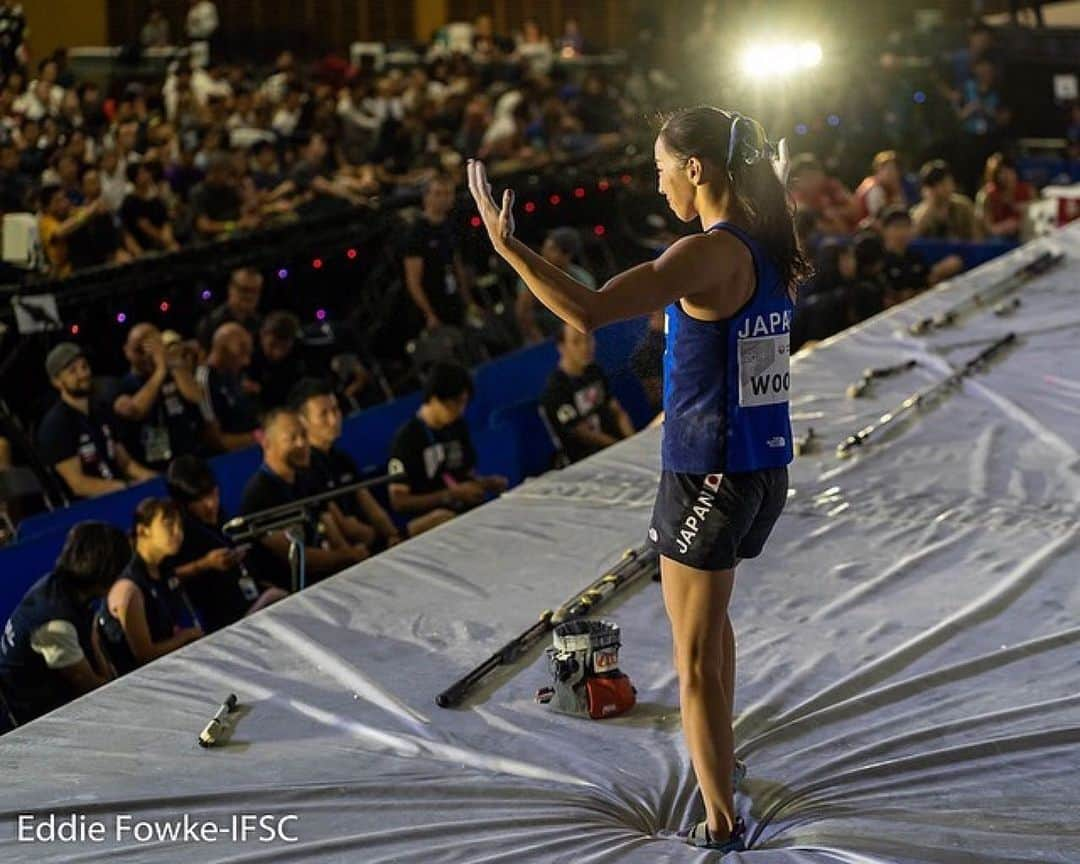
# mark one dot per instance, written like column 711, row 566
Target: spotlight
column 772, row 59
column 120, row 317
column 282, row 273
column 320, row 314
column 207, row 294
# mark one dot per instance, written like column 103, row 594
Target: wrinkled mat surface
column 908, row 668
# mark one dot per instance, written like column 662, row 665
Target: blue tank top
column 726, row 383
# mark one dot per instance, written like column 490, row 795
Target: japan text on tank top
column 727, row 382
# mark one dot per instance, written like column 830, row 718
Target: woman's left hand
column 499, row 222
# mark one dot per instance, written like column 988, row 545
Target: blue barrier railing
column 506, row 443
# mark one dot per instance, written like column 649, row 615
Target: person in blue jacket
column 729, row 294
column 49, row 653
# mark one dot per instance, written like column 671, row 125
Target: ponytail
column 756, row 187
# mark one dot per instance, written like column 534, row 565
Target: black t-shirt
column 220, row 598
column 907, row 272
column 219, row 203
column 65, row 432
column 432, row 459
column 276, row 379
column 94, row 242
column 152, row 210
column 171, row 428
column 223, row 315
column 224, row 401
column 330, row 470
column 264, row 490
column 435, row 244
column 570, row 400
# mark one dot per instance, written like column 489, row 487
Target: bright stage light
column 772, row 59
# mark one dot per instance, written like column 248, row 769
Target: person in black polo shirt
column 143, row 214
column 241, row 305
column 438, row 283
column 581, row 413
column 158, row 399
column 361, row 517
column 281, row 480
column 435, row 453
column 77, row 437
column 906, row 272
column 49, row 650
column 277, row 363
column 227, row 409
column 209, row 566
column 146, row 601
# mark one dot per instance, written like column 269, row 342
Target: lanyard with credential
column 447, row 477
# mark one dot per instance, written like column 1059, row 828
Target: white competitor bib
column 764, row 370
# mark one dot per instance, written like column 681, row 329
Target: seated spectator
column 943, row 213
column 581, row 413
column 825, row 304
column 216, row 203
column 281, row 479
column 906, row 271
column 143, row 214
column 50, row 652
column 158, row 398
column 15, row 187
column 647, row 361
column 562, row 248
column 435, row 275
column 96, row 240
column 209, row 566
column 241, row 305
column 77, row 437
column 1003, row 198
column 146, row 602
column 534, row 48
column 227, row 410
column 277, row 364
column 266, row 173
column 155, row 31
column 361, row 517
column 868, row 295
column 310, row 178
column 435, row 453
column 815, row 190
column 883, row 188
column 56, row 223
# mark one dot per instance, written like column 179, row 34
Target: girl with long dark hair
column 729, row 294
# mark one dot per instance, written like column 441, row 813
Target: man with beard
column 280, row 480
column 78, row 437
column 158, row 399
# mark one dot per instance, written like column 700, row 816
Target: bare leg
column 696, row 602
column 727, row 663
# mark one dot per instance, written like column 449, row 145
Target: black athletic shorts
column 709, row 521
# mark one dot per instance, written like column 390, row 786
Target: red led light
column 626, row 178
column 599, row 230
column 530, row 206
column 74, row 329
column 350, row 254
column 554, row 199
column 579, row 192
column 317, row 263
column 164, row 306
column 476, row 221
column 603, row 185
